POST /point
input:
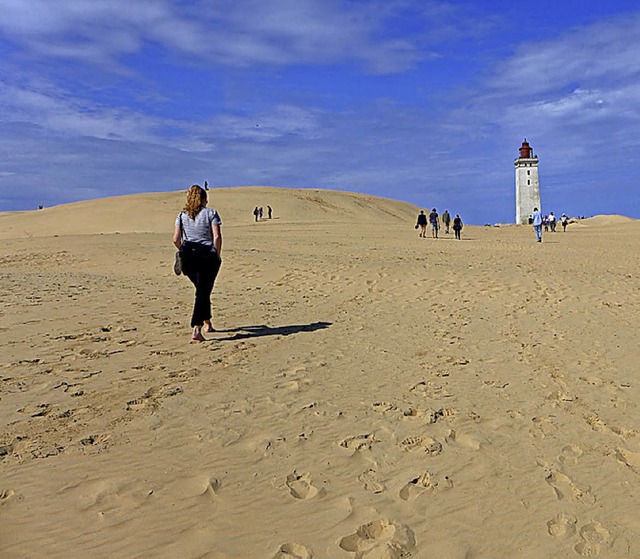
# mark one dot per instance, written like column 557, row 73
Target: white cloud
column 231, row 32
column 606, row 51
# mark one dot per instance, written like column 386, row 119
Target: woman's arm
column 177, row 237
column 217, row 237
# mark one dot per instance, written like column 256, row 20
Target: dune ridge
column 150, row 212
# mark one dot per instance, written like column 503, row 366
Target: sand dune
column 367, row 393
column 150, row 212
column 607, row 221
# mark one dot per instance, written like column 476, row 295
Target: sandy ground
column 368, row 394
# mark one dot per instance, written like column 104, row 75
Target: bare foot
column 197, row 335
column 207, row 328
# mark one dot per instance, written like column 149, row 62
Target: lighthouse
column 527, row 183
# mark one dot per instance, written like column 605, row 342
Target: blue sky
column 418, row 100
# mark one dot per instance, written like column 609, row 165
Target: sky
column 417, row 100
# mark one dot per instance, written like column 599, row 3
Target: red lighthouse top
column 526, row 151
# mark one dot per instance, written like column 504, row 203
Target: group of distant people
column 433, row 221
column 258, row 213
column 548, row 222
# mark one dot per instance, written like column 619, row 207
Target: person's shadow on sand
column 244, row 332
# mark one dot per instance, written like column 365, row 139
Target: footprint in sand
column 424, row 483
column 137, row 404
column 462, row 440
column 300, row 485
column 595, row 422
column 594, row 535
column 628, row 458
column 570, row 454
column 422, row 444
column 359, row 442
column 39, row 410
column 212, row 487
column 380, row 539
column 542, row 427
column 370, row 481
column 6, row 495
column 383, row 407
column 293, row 551
column 564, row 487
column 5, row 450
column 430, row 415
column 562, row 526
column 624, row 432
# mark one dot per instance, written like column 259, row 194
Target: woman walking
column 198, row 237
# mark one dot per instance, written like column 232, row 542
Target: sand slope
column 150, row 212
column 368, row 393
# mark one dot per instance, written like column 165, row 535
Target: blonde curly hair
column 196, row 200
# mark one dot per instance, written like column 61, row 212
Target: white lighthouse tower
column 527, row 184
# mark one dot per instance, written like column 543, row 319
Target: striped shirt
column 198, row 230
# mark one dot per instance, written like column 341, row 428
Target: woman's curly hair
column 196, row 200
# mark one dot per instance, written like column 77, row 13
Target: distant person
column 198, row 237
column 260, row 212
column 545, row 223
column 256, row 213
column 422, row 224
column 446, row 219
column 552, row 222
column 457, row 226
column 536, row 221
column 564, row 220
column 206, row 185
column 269, row 212
column 434, row 220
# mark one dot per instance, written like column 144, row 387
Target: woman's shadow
column 257, row 331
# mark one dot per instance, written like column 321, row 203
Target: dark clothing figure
column 269, row 211
column 457, row 226
column 202, row 270
column 256, row 212
column 434, row 220
column 446, row 219
column 260, row 212
column 422, row 224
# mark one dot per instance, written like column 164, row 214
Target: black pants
column 202, row 272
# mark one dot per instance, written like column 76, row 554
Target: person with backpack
column 198, row 238
column 434, row 220
column 457, row 226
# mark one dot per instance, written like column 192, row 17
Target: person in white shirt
column 198, row 237
column 537, row 223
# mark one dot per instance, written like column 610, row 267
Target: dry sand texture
column 368, row 395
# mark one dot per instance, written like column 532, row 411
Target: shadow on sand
column 244, row 332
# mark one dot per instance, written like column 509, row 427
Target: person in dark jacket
column 457, row 226
column 422, row 224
